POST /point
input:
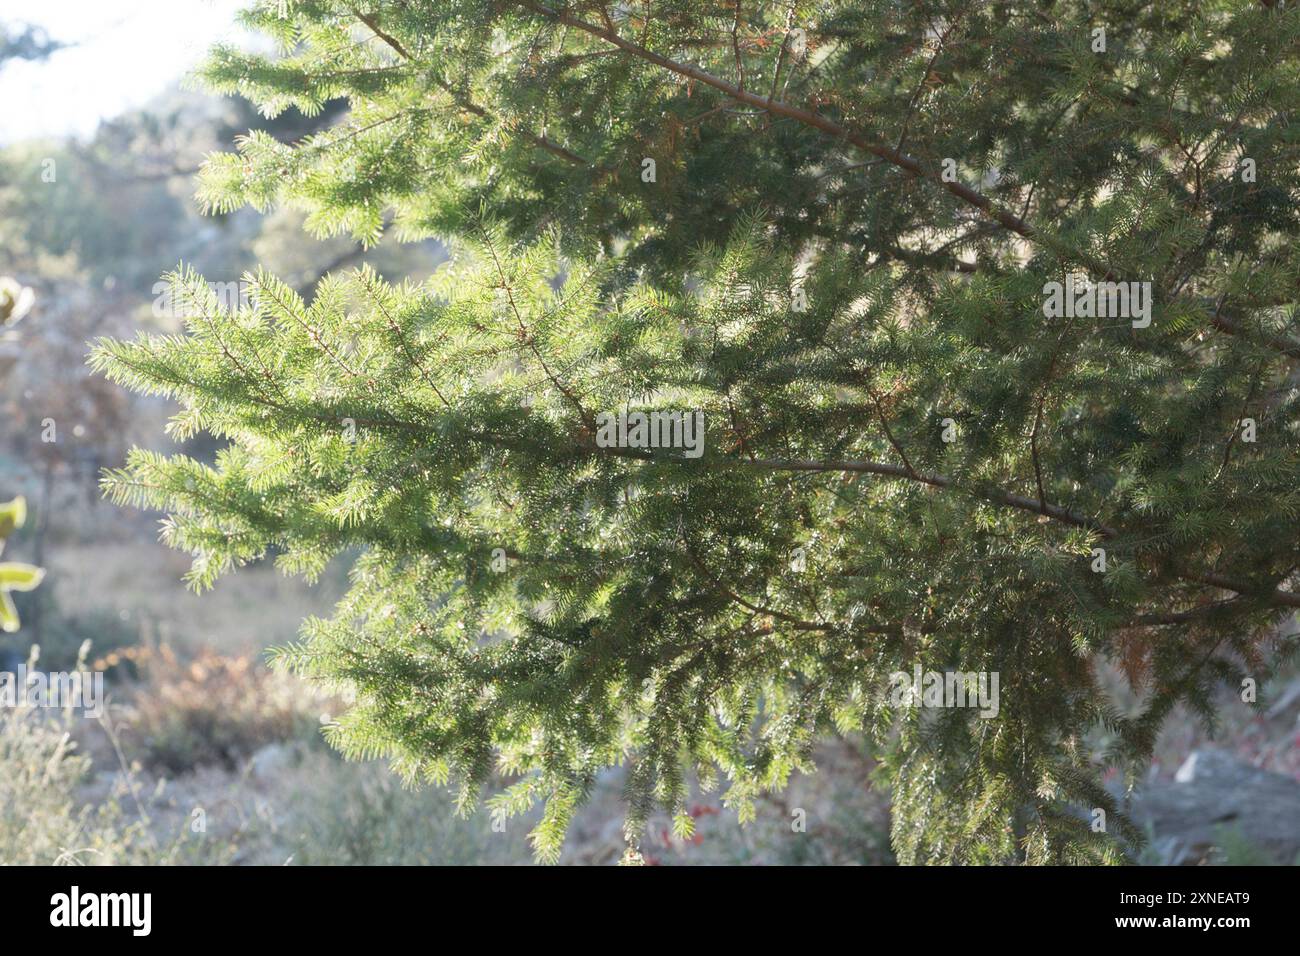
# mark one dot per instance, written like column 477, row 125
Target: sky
column 126, row 52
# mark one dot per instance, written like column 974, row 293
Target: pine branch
column 542, row 142
column 806, row 117
column 910, row 164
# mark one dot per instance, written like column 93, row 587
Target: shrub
column 215, row 709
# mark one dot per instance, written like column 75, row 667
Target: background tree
column 829, row 226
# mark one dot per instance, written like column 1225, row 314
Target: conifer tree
column 832, row 228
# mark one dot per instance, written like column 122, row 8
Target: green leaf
column 19, row 577
column 14, row 576
column 12, row 515
column 8, row 613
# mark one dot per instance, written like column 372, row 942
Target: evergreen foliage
column 799, row 268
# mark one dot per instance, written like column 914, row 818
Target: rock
column 270, row 761
column 1214, row 797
